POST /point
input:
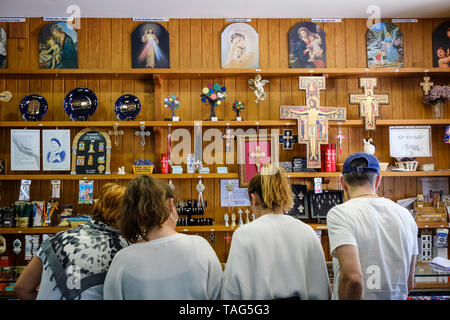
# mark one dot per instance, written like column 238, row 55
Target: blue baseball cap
column 373, row 165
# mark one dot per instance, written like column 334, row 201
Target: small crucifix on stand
column 143, row 134
column 312, row 118
column 116, row 134
column 339, row 137
column 257, row 155
column 229, row 137
column 369, row 102
column 287, row 139
column 426, row 85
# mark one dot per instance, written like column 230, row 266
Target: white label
column 404, row 20
column 238, row 119
column 150, row 19
column 13, row 20
column 222, row 170
column 317, row 185
column 57, row 18
column 238, row 20
column 176, row 118
column 213, row 118
column 326, row 20
column 25, row 182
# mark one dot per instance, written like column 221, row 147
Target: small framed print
column 253, row 152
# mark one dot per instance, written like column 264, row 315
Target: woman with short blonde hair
column 275, row 256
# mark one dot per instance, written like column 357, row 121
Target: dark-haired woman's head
column 148, row 203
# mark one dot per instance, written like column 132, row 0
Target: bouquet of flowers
column 437, row 94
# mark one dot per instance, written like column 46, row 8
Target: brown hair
column 107, row 207
column 144, row 206
column 273, row 188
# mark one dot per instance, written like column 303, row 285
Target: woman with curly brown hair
column 161, row 264
column 73, row 263
column 275, row 256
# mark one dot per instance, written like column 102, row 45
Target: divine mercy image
column 150, row 46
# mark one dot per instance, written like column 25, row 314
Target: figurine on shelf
column 257, row 85
column 121, row 170
column 233, row 220
column 225, row 218
column 247, row 213
column 369, row 146
column 213, row 95
column 420, row 200
column 172, row 102
column 238, row 106
column 241, row 222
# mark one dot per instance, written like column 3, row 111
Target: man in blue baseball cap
column 373, row 240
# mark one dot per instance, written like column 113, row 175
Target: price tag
column 317, row 185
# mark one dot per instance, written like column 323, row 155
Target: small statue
column 225, row 218
column 121, row 170
column 257, row 86
column 233, row 220
column 247, row 220
column 241, row 222
column 369, row 147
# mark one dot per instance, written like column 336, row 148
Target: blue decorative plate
column 80, row 104
column 127, row 107
column 33, row 107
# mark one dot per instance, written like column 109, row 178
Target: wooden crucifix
column 257, row 155
column 426, row 85
column 369, row 102
column 313, row 119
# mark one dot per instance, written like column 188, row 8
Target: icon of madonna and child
column 150, row 46
column 58, row 46
column 384, row 46
column 307, row 47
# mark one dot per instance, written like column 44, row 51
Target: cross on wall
column 287, row 139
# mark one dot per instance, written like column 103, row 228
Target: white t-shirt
column 176, row 267
column 386, row 237
column 275, row 256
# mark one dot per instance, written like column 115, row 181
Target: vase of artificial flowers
column 436, row 98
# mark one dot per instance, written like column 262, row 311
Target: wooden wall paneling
column 264, row 43
column 351, row 32
column 389, row 187
column 93, row 43
column 83, row 44
column 105, row 43
column 35, row 26
column 128, row 27
column 340, row 42
column 23, row 90
column 273, row 39
column 230, row 83
column 116, row 39
column 207, row 43
column 185, row 43
column 427, row 43
column 274, row 99
column 196, row 43
column 285, row 27
column 329, row 29
column 417, row 35
column 217, row 28
column 174, row 43
column 361, row 50
column 10, row 111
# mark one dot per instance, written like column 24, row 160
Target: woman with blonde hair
column 275, row 256
column 160, row 264
column 73, row 263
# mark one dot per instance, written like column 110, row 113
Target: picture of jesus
column 150, row 46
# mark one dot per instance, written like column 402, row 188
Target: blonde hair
column 273, row 188
column 107, row 207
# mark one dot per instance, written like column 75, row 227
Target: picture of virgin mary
column 58, row 46
column 150, row 46
column 56, row 153
column 307, row 46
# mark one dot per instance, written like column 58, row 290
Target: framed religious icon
column 253, row 152
column 58, row 46
column 307, row 47
column 384, row 46
column 56, row 150
column 91, row 152
column 150, row 46
column 3, row 49
column 240, row 46
column 441, row 45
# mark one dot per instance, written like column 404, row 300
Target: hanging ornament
column 171, row 186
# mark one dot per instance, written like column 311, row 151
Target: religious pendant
column 200, row 188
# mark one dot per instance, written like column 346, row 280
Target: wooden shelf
column 438, row 173
column 213, row 72
column 230, row 123
column 432, row 225
column 213, row 228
